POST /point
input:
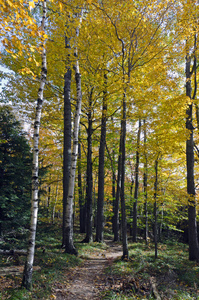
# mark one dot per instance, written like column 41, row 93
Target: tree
column 136, row 184
column 15, row 172
column 193, row 236
column 100, row 201
column 69, row 245
column 27, row 274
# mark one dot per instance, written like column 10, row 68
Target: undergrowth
column 174, row 276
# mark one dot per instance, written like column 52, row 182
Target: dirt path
column 88, row 280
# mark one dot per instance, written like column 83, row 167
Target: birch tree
column 69, row 244
column 27, row 275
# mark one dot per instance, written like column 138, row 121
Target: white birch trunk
column 69, row 247
column 27, row 275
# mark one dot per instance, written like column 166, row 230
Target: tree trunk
column 123, row 152
column 55, row 202
column 67, row 138
column 112, row 160
column 134, row 239
column 82, row 214
column 89, row 176
column 69, row 247
column 193, row 236
column 155, row 209
column 117, row 198
column 27, row 274
column 131, row 203
column 100, row 200
column 69, row 244
column 145, row 186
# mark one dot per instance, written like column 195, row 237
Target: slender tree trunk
column 56, row 196
column 81, row 199
column 155, row 209
column 192, row 225
column 100, row 200
column 145, row 186
column 48, row 200
column 123, row 156
column 113, row 196
column 117, row 198
column 27, row 274
column 131, row 202
column 67, row 138
column 136, row 185
column 112, row 160
column 89, row 177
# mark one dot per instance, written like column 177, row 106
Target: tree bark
column 123, row 156
column 55, row 202
column 69, row 243
column 192, row 224
column 131, row 204
column 27, row 274
column 134, row 238
column 145, row 186
column 100, row 200
column 117, row 198
column 112, row 161
column 155, row 209
column 69, row 247
column 67, row 137
column 82, row 215
column 89, row 176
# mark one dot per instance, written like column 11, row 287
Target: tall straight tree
column 100, row 200
column 27, row 274
column 82, row 210
column 67, row 135
column 192, row 224
column 117, row 198
column 155, row 207
column 89, row 173
column 145, row 182
column 136, row 184
column 69, row 244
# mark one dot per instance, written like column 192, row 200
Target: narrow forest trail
column 88, row 280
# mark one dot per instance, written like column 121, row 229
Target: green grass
column 53, row 262
column 176, row 277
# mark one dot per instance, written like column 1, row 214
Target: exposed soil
column 90, row 279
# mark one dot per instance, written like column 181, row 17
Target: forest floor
column 89, row 280
column 98, row 272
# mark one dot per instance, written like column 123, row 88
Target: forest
column 99, row 149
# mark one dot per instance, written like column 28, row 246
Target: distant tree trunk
column 55, row 202
column 89, row 176
column 155, row 209
column 117, row 198
column 27, row 274
column 192, row 224
column 131, row 202
column 113, row 196
column 123, row 157
column 100, row 200
column 134, row 239
column 48, row 200
column 145, row 186
column 82, row 215
column 67, row 138
column 113, row 181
